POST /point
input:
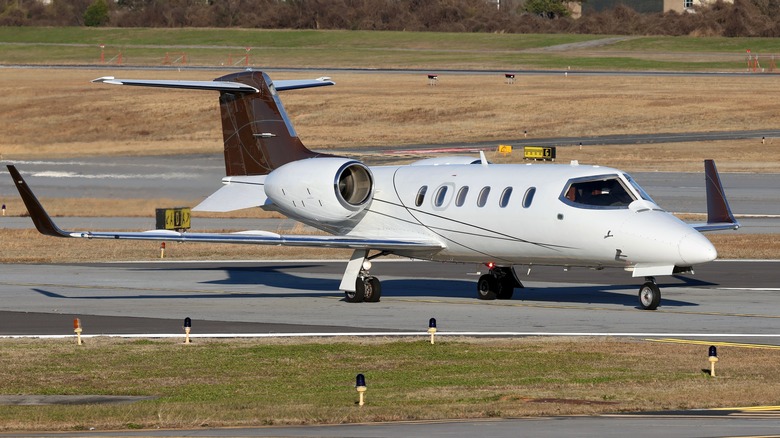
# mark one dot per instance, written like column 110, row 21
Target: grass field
column 242, row 383
column 365, row 49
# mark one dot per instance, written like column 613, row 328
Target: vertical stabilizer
column 719, row 216
column 718, row 210
column 257, row 133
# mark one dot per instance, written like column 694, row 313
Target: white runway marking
column 402, row 334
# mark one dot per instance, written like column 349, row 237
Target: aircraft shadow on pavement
column 318, row 286
column 570, row 294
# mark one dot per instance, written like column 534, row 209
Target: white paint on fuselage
column 548, row 231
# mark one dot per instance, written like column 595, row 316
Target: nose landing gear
column 649, row 294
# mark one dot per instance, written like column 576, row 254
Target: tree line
column 743, row 18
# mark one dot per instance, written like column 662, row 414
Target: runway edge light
column 77, row 330
column 432, row 328
column 360, row 385
column 713, row 356
column 187, row 328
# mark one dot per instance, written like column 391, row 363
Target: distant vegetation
column 744, row 18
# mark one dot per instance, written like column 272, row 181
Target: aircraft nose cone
column 695, row 248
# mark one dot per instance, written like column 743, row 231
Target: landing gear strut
column 649, row 294
column 498, row 283
column 367, row 287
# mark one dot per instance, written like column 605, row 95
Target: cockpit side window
column 605, row 191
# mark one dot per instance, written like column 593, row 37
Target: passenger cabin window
column 461, row 198
column 420, row 196
column 483, row 196
column 438, row 200
column 598, row 192
column 528, row 198
column 505, row 195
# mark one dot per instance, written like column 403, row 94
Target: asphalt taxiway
column 262, row 297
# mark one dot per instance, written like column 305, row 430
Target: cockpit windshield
column 603, row 191
column 638, row 188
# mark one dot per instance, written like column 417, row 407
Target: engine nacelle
column 321, row 189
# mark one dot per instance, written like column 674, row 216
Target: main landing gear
column 499, row 283
column 366, row 287
column 649, row 294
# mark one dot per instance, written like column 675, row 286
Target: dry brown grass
column 72, row 117
column 131, row 207
column 27, row 246
column 748, row 155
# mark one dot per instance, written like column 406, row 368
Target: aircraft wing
column 45, row 225
column 222, row 86
column 719, row 216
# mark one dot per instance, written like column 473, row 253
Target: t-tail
column 256, row 130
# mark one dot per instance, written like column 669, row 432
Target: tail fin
column 719, row 216
column 257, row 133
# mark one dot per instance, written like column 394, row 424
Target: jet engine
column 327, row 190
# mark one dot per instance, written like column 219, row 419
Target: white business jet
column 448, row 209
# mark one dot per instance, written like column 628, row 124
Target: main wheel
column 487, row 286
column 373, row 290
column 506, row 288
column 649, row 296
column 359, row 294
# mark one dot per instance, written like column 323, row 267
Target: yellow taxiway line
column 719, row 344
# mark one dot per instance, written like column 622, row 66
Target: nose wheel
column 649, row 295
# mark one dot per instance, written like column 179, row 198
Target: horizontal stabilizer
column 237, row 193
column 221, row 86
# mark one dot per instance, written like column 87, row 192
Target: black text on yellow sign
column 173, row 218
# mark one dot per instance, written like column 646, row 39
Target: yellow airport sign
column 173, row 218
column 539, row 153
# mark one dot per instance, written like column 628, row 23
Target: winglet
column 719, row 216
column 40, row 218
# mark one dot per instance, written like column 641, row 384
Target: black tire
column 373, row 290
column 487, row 286
column 358, row 295
column 649, row 296
column 506, row 288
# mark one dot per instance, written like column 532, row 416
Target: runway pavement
column 553, row 427
column 720, row 303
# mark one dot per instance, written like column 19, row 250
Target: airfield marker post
column 432, row 328
column 187, row 328
column 360, row 385
column 713, row 357
column 77, row 330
